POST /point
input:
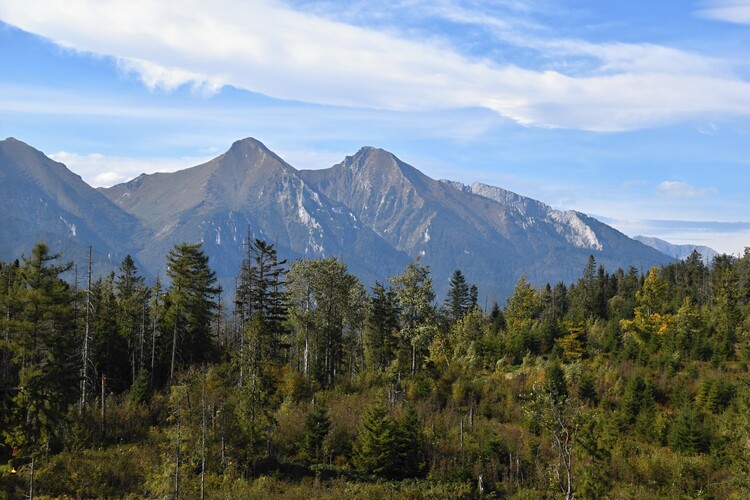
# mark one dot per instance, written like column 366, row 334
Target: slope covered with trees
column 302, row 382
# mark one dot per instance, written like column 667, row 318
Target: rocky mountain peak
column 249, row 153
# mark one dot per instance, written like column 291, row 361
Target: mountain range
column 372, row 210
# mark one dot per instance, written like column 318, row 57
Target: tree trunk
column 203, row 436
column 174, row 343
column 85, row 373
column 31, row 480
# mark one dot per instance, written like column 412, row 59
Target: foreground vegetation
column 623, row 385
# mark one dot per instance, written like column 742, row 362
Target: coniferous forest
column 303, row 382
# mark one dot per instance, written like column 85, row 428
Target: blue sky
column 635, row 112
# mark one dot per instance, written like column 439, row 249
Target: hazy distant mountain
column 372, row 210
column 679, row 252
column 40, row 199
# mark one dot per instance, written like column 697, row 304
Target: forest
column 303, row 382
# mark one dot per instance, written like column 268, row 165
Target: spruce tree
column 261, row 291
column 132, row 309
column 376, row 449
column 317, row 427
column 459, row 300
column 410, row 451
column 381, row 328
column 109, row 350
column 191, row 304
column 689, row 433
column 44, row 353
column 554, row 382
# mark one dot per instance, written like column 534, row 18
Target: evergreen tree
column 317, row 427
column 261, row 305
column 638, row 397
column 584, row 300
column 520, row 314
column 727, row 314
column 554, row 382
column 261, row 291
column 689, row 433
column 10, row 287
column 376, row 449
column 132, row 312
column 190, row 304
column 410, row 451
column 497, row 317
column 254, row 397
column 458, row 300
column 587, row 389
column 109, row 349
column 381, row 328
column 473, row 297
column 44, row 353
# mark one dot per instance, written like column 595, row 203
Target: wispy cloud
column 731, row 11
column 271, row 48
column 676, row 189
column 100, row 170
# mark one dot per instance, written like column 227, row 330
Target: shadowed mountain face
column 40, row 199
column 372, row 210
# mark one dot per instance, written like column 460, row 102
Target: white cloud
column 731, row 11
column 154, row 76
column 676, row 189
column 269, row 48
column 99, row 170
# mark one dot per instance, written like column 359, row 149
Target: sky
column 637, row 113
